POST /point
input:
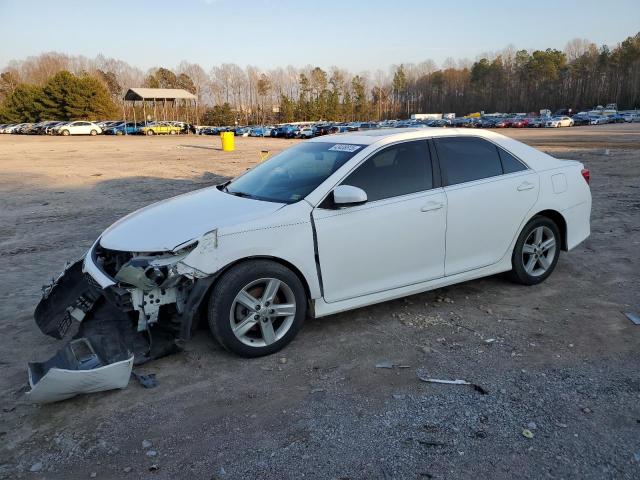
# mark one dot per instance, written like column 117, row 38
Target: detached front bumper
column 107, row 343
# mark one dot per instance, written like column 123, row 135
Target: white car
column 331, row 224
column 306, row 132
column 556, row 122
column 80, row 127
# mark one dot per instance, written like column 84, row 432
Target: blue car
column 284, row 131
column 129, row 128
column 258, row 132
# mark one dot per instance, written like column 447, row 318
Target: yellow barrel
column 227, row 141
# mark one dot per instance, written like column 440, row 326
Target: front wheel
column 93, row 133
column 257, row 308
column 536, row 252
column 65, row 133
column 150, row 132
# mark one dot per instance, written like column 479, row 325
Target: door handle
column 431, row 206
column 525, row 186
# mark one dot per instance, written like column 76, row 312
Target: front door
column 394, row 239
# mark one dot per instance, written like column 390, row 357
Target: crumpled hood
column 164, row 225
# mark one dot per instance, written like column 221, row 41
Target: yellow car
column 158, row 128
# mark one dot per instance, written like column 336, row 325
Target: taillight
column 586, row 175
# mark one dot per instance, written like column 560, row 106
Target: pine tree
column 21, row 104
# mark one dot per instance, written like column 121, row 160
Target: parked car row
column 110, row 127
column 560, row 118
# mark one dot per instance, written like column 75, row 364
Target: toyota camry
column 331, row 224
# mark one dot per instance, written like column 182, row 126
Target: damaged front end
column 131, row 308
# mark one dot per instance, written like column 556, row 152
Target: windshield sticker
column 343, row 147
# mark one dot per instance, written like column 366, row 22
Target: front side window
column 294, row 173
column 464, row 159
column 397, row 170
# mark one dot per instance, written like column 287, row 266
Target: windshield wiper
column 238, row 194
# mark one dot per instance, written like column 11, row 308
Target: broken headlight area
column 145, row 315
column 148, row 283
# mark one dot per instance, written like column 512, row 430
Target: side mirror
column 347, row 195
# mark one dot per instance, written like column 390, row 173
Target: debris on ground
column 527, row 433
column 633, row 317
column 385, row 364
column 476, row 387
column 389, row 365
column 431, row 443
column 146, row 380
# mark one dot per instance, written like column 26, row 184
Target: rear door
column 489, row 193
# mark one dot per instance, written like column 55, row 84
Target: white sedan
column 557, row 122
column 331, row 224
column 79, row 128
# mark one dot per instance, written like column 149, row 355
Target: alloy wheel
column 262, row 312
column 538, row 251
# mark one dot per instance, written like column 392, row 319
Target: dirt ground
column 558, row 359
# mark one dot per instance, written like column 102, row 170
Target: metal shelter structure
column 154, row 96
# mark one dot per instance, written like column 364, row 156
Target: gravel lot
column 558, row 359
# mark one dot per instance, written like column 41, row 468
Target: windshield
column 294, row 173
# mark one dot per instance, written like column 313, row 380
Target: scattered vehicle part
column 635, row 318
column 146, row 380
column 75, row 369
column 476, row 387
column 385, row 364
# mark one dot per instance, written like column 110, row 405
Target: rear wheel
column 257, row 308
column 536, row 252
column 150, row 132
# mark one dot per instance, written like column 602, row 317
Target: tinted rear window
column 510, row 164
column 465, row 159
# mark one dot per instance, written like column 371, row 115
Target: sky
column 358, row 34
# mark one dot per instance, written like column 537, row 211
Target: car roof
column 386, row 135
column 536, row 159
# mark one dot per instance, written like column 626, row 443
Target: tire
column 118, row 132
column 172, row 132
column 65, row 133
column 227, row 313
column 535, row 256
column 150, row 132
column 93, row 133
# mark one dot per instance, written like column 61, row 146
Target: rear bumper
column 578, row 220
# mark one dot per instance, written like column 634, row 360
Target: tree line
column 582, row 75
